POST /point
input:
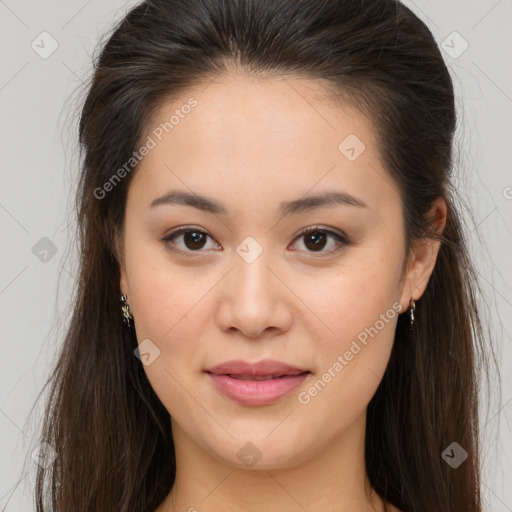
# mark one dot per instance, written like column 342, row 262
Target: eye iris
column 316, row 237
column 195, row 237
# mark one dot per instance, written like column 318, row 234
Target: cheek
column 348, row 302
column 168, row 311
column 351, row 360
column 162, row 293
column 167, row 301
column 358, row 312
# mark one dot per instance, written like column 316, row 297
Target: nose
column 254, row 298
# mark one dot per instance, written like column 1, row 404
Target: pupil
column 194, row 237
column 317, row 239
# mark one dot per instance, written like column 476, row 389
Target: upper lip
column 260, row 368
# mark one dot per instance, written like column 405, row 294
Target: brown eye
column 193, row 240
column 316, row 239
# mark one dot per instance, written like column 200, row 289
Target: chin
column 262, row 451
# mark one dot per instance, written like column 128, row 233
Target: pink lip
column 264, row 367
column 256, row 392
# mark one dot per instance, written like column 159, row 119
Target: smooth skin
column 251, row 143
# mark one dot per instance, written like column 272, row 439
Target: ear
column 423, row 257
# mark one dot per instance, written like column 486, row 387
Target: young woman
column 276, row 307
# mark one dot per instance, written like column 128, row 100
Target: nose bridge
column 253, row 296
column 252, row 266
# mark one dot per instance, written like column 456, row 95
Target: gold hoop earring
column 125, row 308
column 412, row 307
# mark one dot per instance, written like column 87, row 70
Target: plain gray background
column 39, row 167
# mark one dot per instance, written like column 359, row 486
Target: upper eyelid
column 303, row 231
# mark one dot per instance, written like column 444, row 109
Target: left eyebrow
column 321, row 200
column 324, row 199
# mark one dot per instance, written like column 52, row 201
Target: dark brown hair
column 111, row 432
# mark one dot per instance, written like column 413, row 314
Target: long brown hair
column 111, row 432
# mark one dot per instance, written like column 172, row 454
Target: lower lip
column 257, row 392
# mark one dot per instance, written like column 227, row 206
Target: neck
column 332, row 480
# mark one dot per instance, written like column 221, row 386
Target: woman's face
column 244, row 284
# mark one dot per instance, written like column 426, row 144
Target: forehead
column 273, row 111
column 262, row 138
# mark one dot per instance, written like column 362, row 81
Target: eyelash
column 342, row 239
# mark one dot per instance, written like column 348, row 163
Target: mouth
column 267, row 368
column 259, row 383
